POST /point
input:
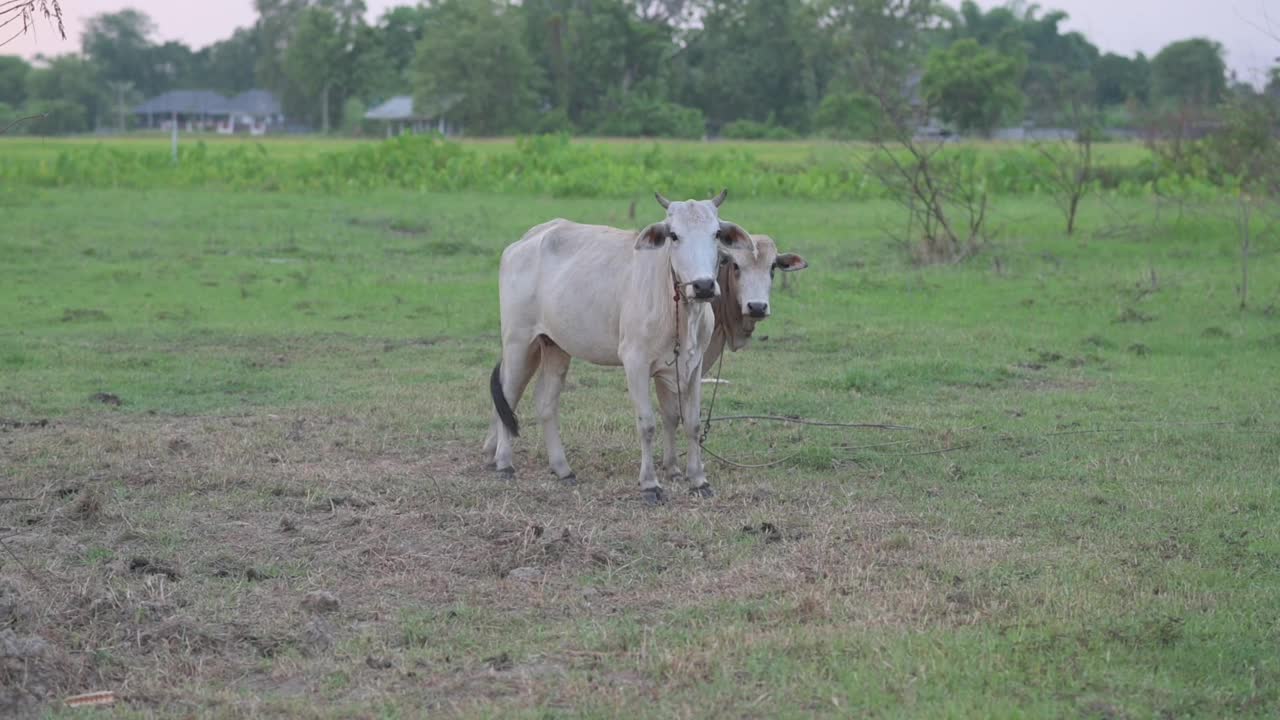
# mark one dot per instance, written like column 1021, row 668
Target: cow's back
column 566, row 280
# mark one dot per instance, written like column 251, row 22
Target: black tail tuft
column 505, row 413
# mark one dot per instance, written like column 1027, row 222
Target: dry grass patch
column 240, row 557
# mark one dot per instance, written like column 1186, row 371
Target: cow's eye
column 736, row 268
column 674, row 237
column 724, row 260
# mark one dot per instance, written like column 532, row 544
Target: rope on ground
column 814, row 423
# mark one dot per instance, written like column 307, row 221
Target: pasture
column 240, row 437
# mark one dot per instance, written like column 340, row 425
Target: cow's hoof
column 702, row 491
column 506, row 473
column 653, row 496
column 569, row 480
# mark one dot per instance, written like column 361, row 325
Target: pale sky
column 1122, row 26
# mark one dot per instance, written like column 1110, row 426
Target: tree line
column 678, row 68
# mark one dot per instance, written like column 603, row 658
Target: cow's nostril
column 758, row 309
column 704, row 288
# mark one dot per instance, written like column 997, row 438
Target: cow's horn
column 665, row 203
column 719, row 199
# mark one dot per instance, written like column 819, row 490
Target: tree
column 1190, row 72
column 877, row 47
column 751, row 62
column 473, row 50
column 1018, row 30
column 400, row 28
column 228, row 65
column 1118, row 79
column 119, row 45
column 13, row 80
column 972, row 87
column 18, row 16
column 314, row 64
column 73, row 80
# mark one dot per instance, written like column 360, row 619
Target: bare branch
column 26, row 11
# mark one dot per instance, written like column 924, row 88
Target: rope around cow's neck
column 678, row 298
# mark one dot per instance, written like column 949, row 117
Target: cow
column 745, row 279
column 617, row 298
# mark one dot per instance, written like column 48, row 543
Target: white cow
column 612, row 297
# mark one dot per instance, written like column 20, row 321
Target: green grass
column 1086, row 524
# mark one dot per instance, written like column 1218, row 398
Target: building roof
column 256, row 102
column 186, row 102
column 208, row 102
column 401, row 107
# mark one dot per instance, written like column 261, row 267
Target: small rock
column 320, row 601
column 378, row 663
column 527, row 574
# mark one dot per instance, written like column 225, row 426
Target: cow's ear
column 731, row 235
column 652, row 237
column 790, row 262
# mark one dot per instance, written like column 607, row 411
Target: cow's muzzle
column 703, row 289
column 758, row 310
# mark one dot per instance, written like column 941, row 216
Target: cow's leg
column 692, row 415
column 638, row 386
column 669, row 404
column 554, row 366
column 519, row 362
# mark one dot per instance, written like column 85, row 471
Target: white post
column 174, row 136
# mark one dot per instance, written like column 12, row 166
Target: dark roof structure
column 208, row 102
column 402, row 107
column 255, row 102
column 186, row 102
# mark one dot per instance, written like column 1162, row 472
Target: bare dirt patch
column 289, row 556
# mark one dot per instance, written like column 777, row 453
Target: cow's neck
column 732, row 327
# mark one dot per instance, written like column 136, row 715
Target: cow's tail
column 505, row 413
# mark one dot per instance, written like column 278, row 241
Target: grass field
column 241, row 473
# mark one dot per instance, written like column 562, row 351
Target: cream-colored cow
column 745, row 279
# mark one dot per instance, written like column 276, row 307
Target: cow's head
column 694, row 235
column 746, row 278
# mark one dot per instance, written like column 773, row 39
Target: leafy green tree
column 1190, row 72
column 1048, row 55
column 228, row 65
column 474, row 50
column 399, row 29
column 972, row 87
column 751, row 62
column 74, row 80
column 276, row 20
column 591, row 52
column 848, row 116
column 314, row 65
column 13, row 80
column 119, row 45
column 1118, row 79
column 877, row 47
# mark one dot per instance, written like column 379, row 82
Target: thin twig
column 41, row 116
